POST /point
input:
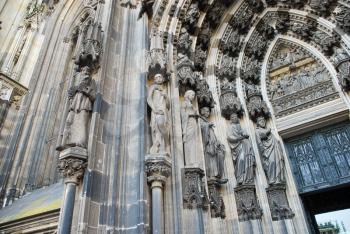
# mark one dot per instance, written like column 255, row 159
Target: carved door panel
column 321, row 158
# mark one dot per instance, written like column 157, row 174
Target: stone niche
column 297, row 80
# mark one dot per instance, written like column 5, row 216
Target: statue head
column 234, row 118
column 261, row 122
column 189, row 95
column 205, row 112
column 159, row 79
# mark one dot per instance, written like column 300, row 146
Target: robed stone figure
column 272, row 153
column 189, row 118
column 159, row 103
column 214, row 151
column 81, row 99
column 241, row 151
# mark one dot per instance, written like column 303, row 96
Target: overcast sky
column 339, row 216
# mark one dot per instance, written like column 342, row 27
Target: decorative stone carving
column 72, row 163
column 232, row 45
column 272, row 154
column 193, row 191
column 146, row 7
column 191, row 18
column 242, row 19
column 341, row 61
column 282, row 22
column 214, row 150
column 189, row 118
column 279, row 203
column 242, row 152
column 256, row 5
column 342, row 16
column 304, row 30
column 157, row 63
column 265, row 30
column 252, row 71
column 91, row 49
column 158, row 101
column 185, row 72
column 204, row 95
column 184, row 43
column 217, row 205
column 297, row 81
column 256, row 105
column 322, row 7
column 326, row 42
column 227, row 69
column 229, row 102
column 200, row 58
column 157, row 168
column 81, row 98
column 247, row 203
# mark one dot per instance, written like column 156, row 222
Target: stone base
column 247, row 203
column 217, row 205
column 193, row 188
column 279, row 203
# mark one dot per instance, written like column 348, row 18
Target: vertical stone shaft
column 66, row 215
column 157, row 208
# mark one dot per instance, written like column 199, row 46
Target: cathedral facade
column 173, row 116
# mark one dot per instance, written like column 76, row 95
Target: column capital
column 72, row 164
column 158, row 167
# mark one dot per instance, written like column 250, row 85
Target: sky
column 339, row 216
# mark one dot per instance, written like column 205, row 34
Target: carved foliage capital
column 158, row 168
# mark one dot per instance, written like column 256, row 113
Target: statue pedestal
column 158, row 169
column 278, row 202
column 217, row 205
column 247, row 203
column 73, row 162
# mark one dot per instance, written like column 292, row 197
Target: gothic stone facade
column 173, row 116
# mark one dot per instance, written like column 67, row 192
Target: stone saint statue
column 271, row 151
column 241, row 151
column 189, row 118
column 214, row 151
column 81, row 98
column 159, row 103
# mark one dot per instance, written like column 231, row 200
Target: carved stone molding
column 157, row 167
column 247, row 203
column 193, row 188
column 72, row 163
column 217, row 205
column 279, row 203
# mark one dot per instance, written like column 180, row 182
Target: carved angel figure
column 81, row 99
column 159, row 103
column 272, row 154
column 241, row 151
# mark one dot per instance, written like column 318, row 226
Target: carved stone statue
column 271, row 151
column 242, row 152
column 159, row 103
column 189, row 118
column 81, row 99
column 214, row 151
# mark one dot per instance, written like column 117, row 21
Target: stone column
column 73, row 162
column 158, row 169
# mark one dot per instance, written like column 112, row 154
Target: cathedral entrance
column 321, row 165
